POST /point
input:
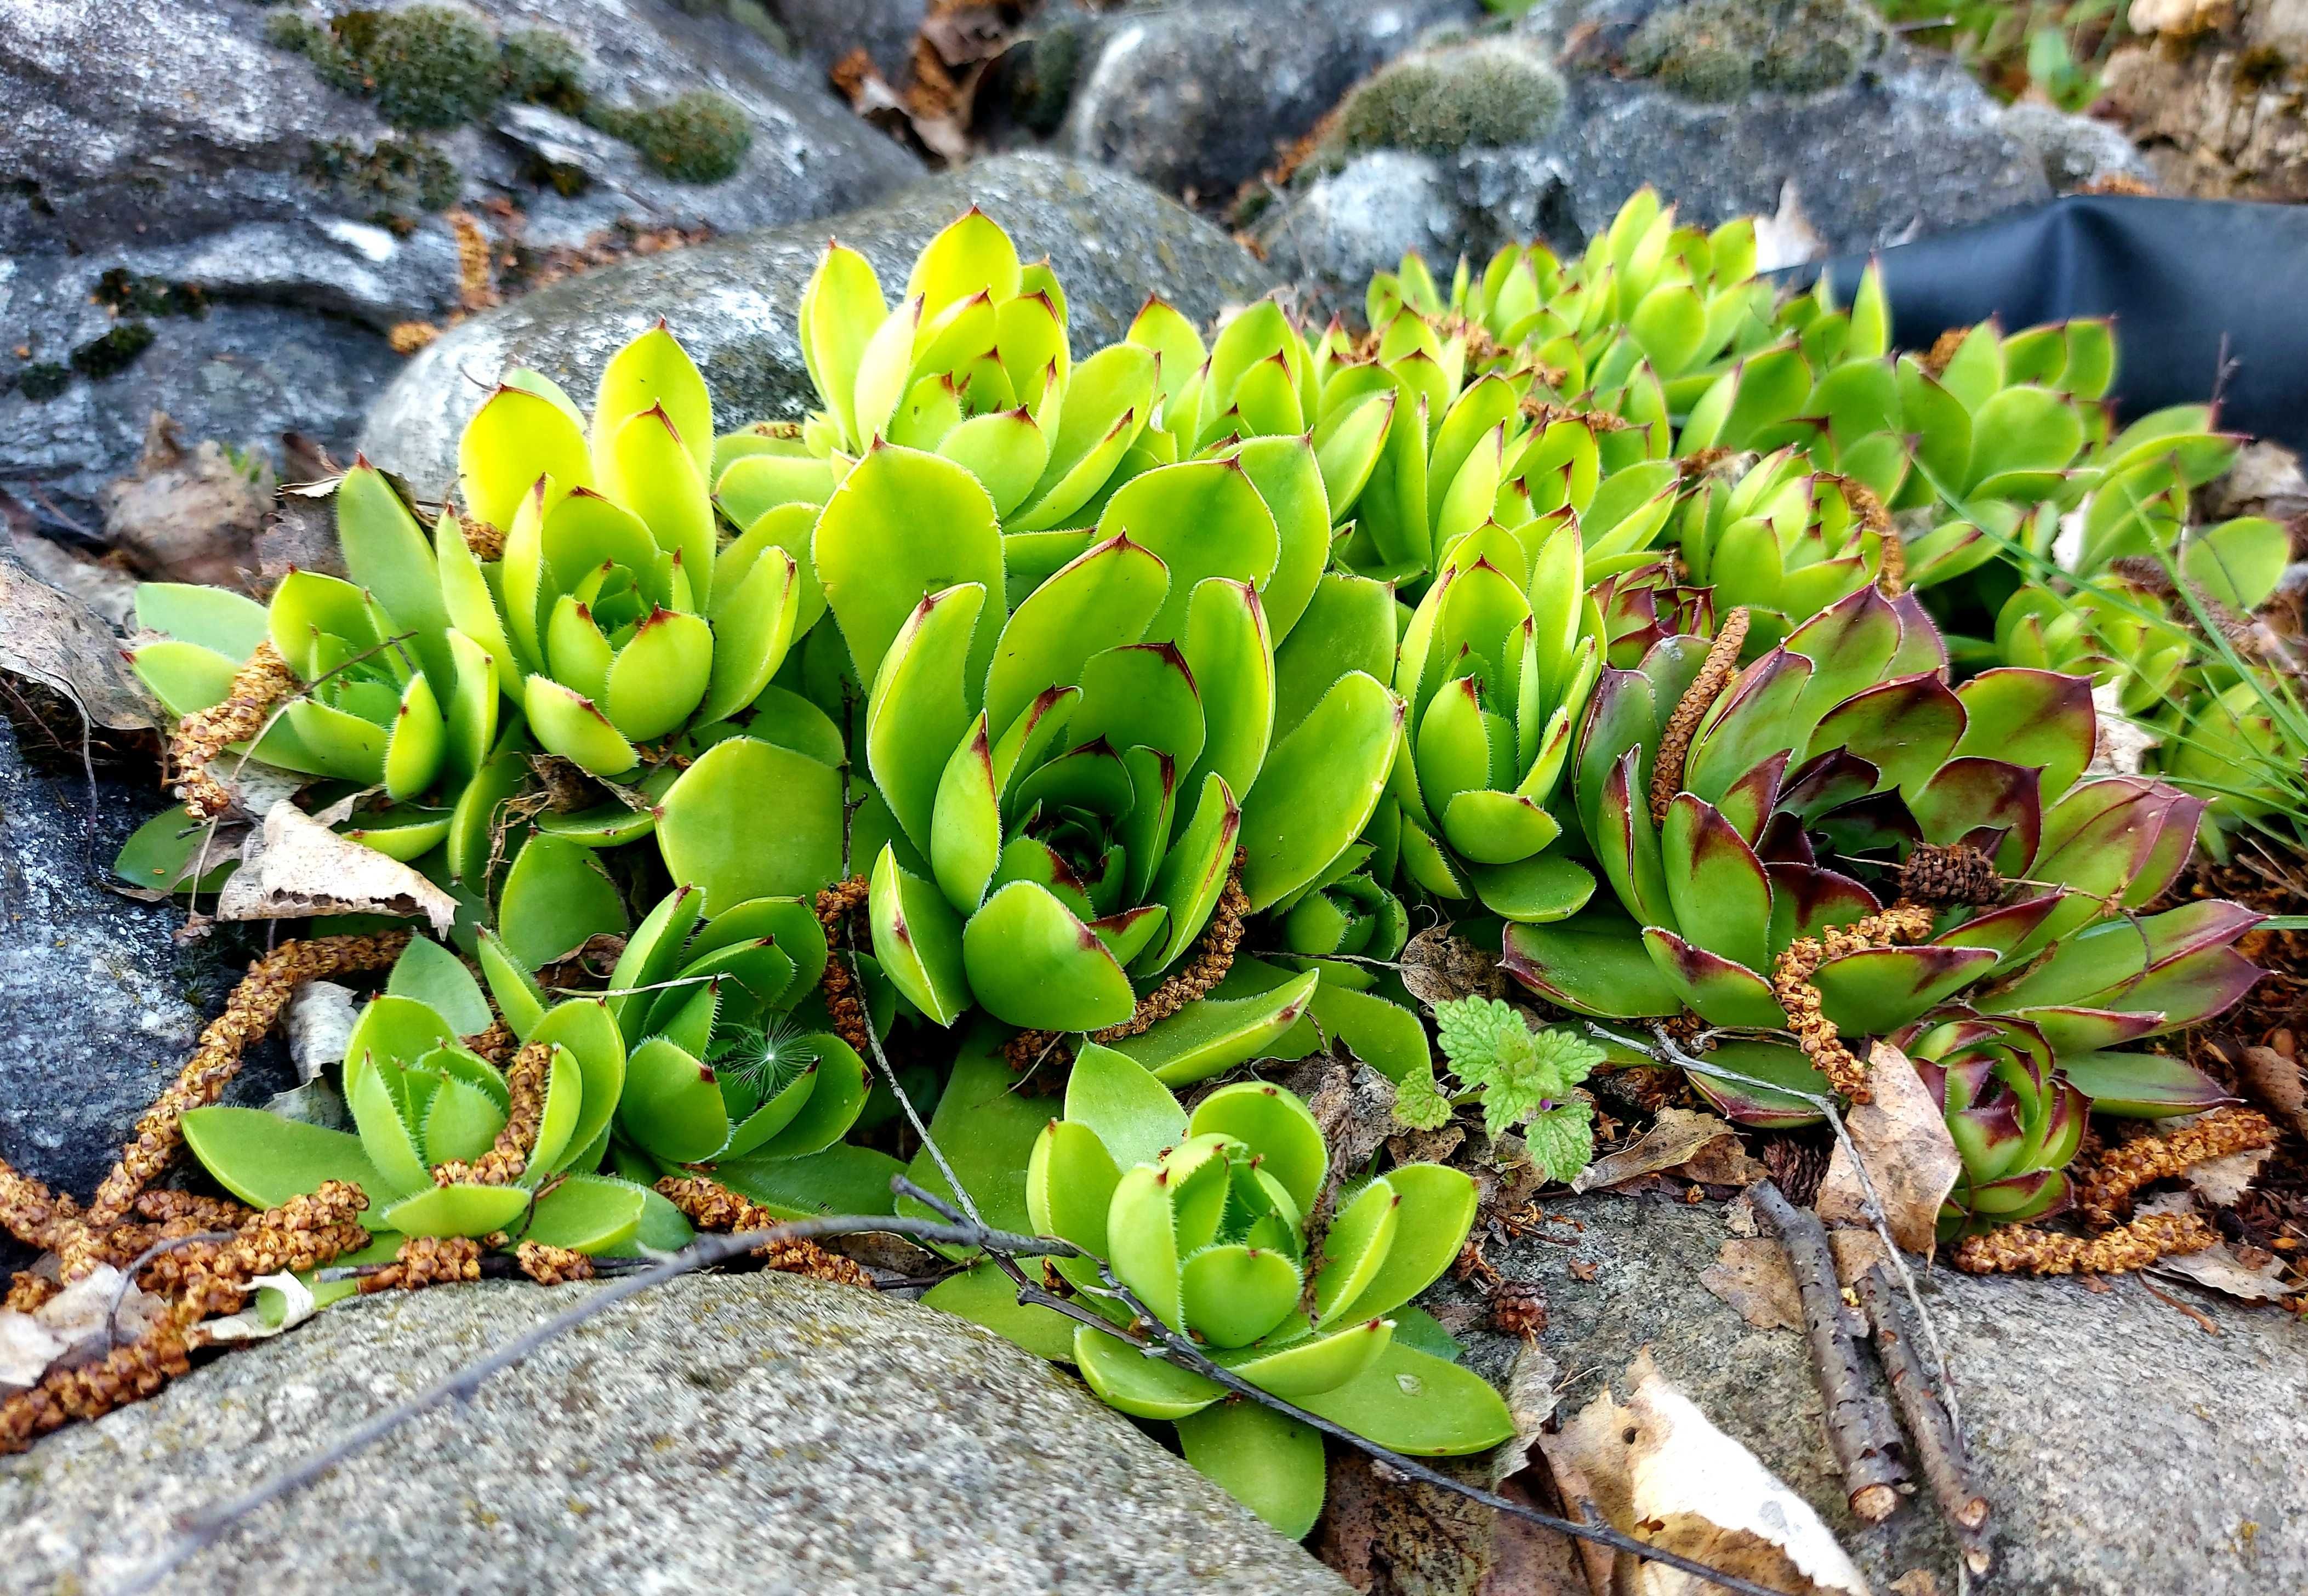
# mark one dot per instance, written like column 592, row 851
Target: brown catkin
column 200, row 737
column 844, row 1005
column 31, row 1213
column 506, row 1159
column 2105, row 1188
column 1944, row 348
column 710, row 1206
column 552, row 1266
column 1868, row 511
column 1946, row 878
column 2023, row 1249
column 209, row 1213
column 123, row 1376
column 426, row 1260
column 1675, row 742
column 486, row 542
column 1213, row 957
column 27, row 1292
column 256, row 1005
column 497, row 1044
column 1791, row 975
column 1544, row 413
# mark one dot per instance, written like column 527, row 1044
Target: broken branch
column 1860, row 1427
column 1937, row 1447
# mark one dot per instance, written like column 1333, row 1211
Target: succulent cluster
column 1099, row 722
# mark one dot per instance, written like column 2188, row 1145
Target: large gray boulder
column 1112, row 240
column 1197, row 99
column 1910, row 146
column 760, row 1433
column 2126, row 1449
column 180, row 148
column 97, row 1005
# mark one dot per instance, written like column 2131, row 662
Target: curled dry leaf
column 250, row 1324
column 1912, row 1160
column 320, row 1024
column 295, row 866
column 1655, row 1468
column 1680, row 1138
column 62, row 643
column 2223, row 1181
column 1438, row 967
column 2274, row 1081
column 2248, row 1274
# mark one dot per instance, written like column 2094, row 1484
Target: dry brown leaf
column 296, row 867
column 1903, row 1137
column 1437, row 967
column 2275, row 1082
column 1678, row 1137
column 61, row 644
column 2223, row 1181
column 2250, row 1275
column 1654, row 1467
column 1751, row 1275
column 1855, row 1253
column 1916, row 1582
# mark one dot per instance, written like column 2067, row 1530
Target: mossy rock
column 698, row 137
column 1721, row 50
column 1437, row 101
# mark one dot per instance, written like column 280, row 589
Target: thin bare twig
column 1860, row 1428
column 1937, row 1449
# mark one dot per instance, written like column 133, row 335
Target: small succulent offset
column 447, row 1143
column 1226, row 1225
column 1528, row 1079
column 719, row 1063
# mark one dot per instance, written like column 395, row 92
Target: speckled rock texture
column 2214, row 89
column 2126, row 1450
column 760, row 1434
column 1910, row 146
column 175, row 143
column 1197, row 99
column 98, row 1006
column 1111, row 238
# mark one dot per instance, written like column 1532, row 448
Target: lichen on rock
column 1726, row 49
column 1488, row 92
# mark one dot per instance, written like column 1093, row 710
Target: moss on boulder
column 1722, row 50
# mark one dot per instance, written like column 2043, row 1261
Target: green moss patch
column 1721, row 50
column 1489, row 93
column 698, row 137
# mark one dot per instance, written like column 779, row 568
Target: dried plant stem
column 1682, row 724
column 1937, row 1448
column 2106, row 1189
column 2023, row 1250
column 1791, row 984
column 1860, row 1427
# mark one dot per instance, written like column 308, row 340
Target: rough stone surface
column 98, row 1007
column 2214, row 93
column 758, row 1433
column 1913, row 146
column 2126, row 1452
column 824, row 30
column 2075, row 150
column 175, row 143
column 732, row 302
column 1200, row 97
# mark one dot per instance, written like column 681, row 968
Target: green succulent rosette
column 1205, row 1217
column 419, row 1097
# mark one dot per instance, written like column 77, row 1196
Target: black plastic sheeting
column 2189, row 282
